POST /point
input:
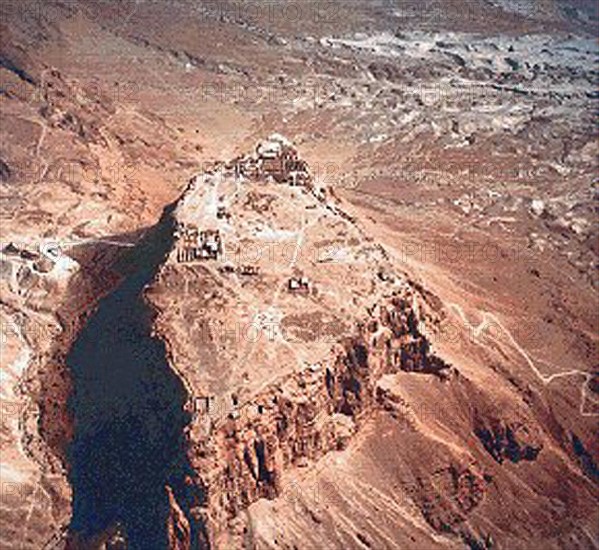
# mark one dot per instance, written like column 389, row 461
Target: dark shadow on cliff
column 127, row 406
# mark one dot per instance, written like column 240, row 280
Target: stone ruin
column 194, row 244
column 275, row 159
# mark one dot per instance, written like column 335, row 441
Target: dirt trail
column 546, row 380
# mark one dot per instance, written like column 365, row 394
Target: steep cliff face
column 299, row 363
column 314, row 395
column 178, row 529
column 302, row 417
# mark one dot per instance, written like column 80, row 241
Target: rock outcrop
column 178, row 530
column 507, row 441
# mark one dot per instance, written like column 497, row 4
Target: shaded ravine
column 129, row 420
